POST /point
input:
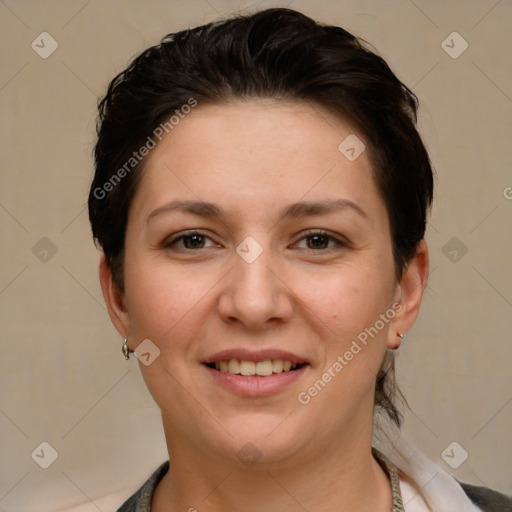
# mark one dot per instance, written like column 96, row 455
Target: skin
column 252, row 159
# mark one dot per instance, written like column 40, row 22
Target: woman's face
column 253, row 238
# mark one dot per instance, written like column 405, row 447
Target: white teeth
column 233, row 366
column 250, row 368
column 264, row 368
column 247, row 367
column 277, row 366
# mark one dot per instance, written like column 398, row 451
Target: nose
column 256, row 293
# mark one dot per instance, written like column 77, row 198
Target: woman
column 260, row 199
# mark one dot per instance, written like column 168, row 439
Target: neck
column 344, row 477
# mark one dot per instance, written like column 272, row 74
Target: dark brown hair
column 274, row 53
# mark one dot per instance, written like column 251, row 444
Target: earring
column 125, row 350
column 402, row 336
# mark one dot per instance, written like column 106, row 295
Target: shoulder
column 140, row 501
column 487, row 499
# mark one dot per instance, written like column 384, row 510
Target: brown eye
column 193, row 241
column 318, row 241
column 190, row 241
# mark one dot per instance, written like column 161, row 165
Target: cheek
column 346, row 311
column 165, row 305
column 161, row 299
column 346, row 301
column 347, row 308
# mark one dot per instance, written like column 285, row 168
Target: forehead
column 269, row 149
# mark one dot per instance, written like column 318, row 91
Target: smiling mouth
column 264, row 368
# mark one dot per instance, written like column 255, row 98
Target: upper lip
column 254, row 355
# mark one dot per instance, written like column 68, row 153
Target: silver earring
column 402, row 336
column 125, row 350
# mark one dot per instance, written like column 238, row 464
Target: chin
column 262, row 441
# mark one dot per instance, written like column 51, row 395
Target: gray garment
column 141, row 500
column 487, row 499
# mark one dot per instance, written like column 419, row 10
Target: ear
column 409, row 294
column 114, row 300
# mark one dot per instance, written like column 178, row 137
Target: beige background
column 63, row 379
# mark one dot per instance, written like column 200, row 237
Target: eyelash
column 313, row 232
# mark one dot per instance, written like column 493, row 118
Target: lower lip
column 255, row 385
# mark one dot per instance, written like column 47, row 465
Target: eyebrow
column 292, row 211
